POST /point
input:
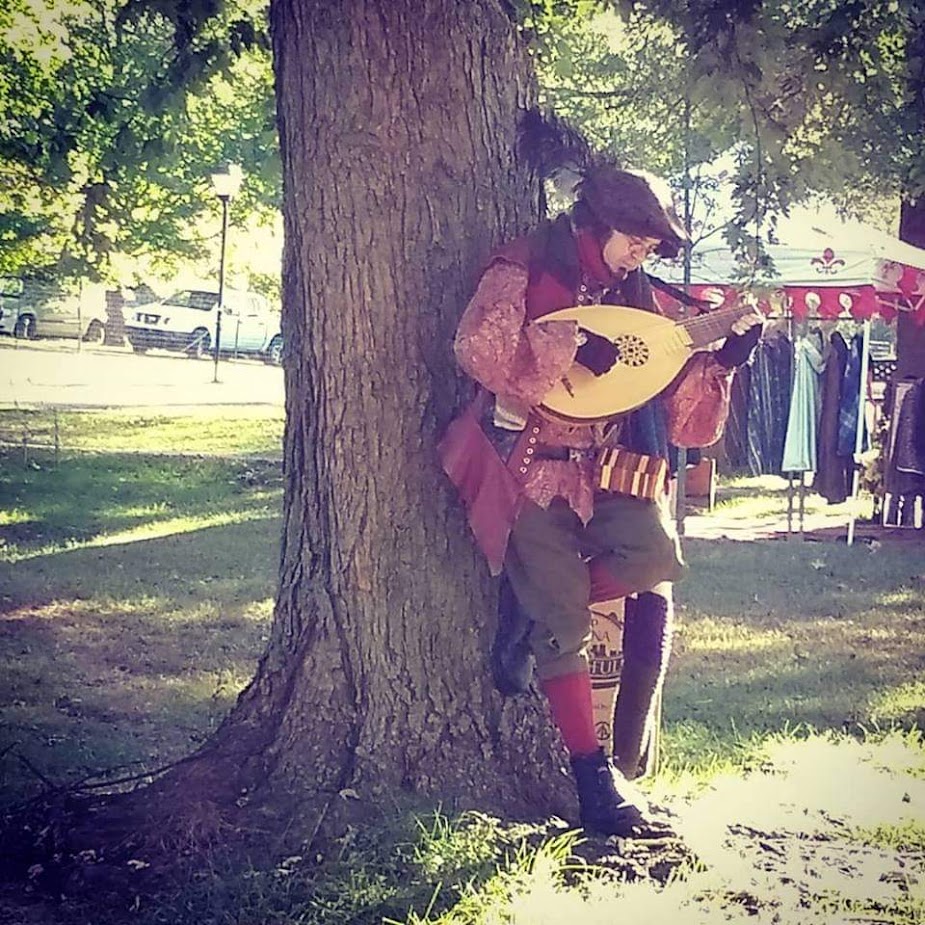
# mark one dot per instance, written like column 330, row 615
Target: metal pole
column 80, row 323
column 221, row 286
column 681, row 478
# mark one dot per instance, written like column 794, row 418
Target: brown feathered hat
column 634, row 202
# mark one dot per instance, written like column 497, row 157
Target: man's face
column 627, row 251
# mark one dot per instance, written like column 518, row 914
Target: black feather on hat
column 632, row 201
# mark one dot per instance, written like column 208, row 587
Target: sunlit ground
column 827, row 830
column 67, row 374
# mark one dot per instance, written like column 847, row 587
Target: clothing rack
column 798, row 495
column 896, row 501
column 859, row 430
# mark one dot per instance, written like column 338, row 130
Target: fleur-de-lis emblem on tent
column 828, row 262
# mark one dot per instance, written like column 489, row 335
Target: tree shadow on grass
column 131, row 652
column 764, row 581
column 226, row 565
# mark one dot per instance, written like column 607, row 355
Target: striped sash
column 634, row 474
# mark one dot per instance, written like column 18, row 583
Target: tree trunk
column 910, row 337
column 398, row 127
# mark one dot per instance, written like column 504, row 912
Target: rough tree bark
column 398, row 134
column 910, row 337
column 398, row 129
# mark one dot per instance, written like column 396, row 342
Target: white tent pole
column 680, row 498
column 859, row 436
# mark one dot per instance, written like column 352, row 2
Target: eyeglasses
column 643, row 244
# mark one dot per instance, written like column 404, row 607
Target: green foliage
column 114, row 113
column 810, row 96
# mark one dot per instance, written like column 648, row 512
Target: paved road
column 57, row 373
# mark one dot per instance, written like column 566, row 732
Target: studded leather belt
column 553, row 452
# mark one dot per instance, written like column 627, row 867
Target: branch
column 594, row 94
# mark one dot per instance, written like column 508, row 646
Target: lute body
column 652, row 351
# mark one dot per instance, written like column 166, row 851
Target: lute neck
column 706, row 328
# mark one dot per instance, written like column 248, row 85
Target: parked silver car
column 31, row 309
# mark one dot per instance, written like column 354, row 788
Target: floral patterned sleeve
column 514, row 359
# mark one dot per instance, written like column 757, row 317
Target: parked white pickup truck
column 187, row 320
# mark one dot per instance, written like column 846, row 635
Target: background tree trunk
column 910, row 337
column 398, row 128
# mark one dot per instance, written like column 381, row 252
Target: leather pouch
column 634, row 474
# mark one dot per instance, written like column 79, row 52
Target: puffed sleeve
column 697, row 402
column 515, row 359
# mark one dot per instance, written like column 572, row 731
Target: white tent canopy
column 853, row 268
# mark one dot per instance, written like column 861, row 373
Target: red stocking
column 569, row 698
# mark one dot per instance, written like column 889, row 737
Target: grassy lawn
column 135, row 590
column 136, row 594
column 209, row 432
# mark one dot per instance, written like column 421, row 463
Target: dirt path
column 790, row 843
column 45, row 373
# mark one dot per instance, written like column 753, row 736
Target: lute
column 652, row 351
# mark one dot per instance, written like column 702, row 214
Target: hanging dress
column 800, row 441
column 833, row 475
column 768, row 405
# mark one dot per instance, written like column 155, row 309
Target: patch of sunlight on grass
column 695, row 754
column 152, row 531
column 714, row 635
column 195, row 687
column 908, row 837
column 899, row 597
column 900, row 750
column 862, row 781
column 895, row 751
column 741, row 497
column 803, row 787
column 763, row 483
column 14, row 516
column 898, row 703
column 257, row 611
column 166, row 611
column 140, row 510
column 93, row 606
column 602, row 900
column 218, row 432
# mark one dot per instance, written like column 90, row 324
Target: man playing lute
column 573, row 511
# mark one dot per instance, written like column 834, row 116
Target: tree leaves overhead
column 115, row 112
column 810, row 95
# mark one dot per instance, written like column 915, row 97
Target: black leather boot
column 607, row 804
column 511, row 657
column 647, row 631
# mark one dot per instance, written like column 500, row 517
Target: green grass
column 209, row 432
column 815, row 634
column 104, row 499
column 745, row 499
column 136, row 595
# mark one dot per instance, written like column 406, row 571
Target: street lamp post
column 226, row 181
